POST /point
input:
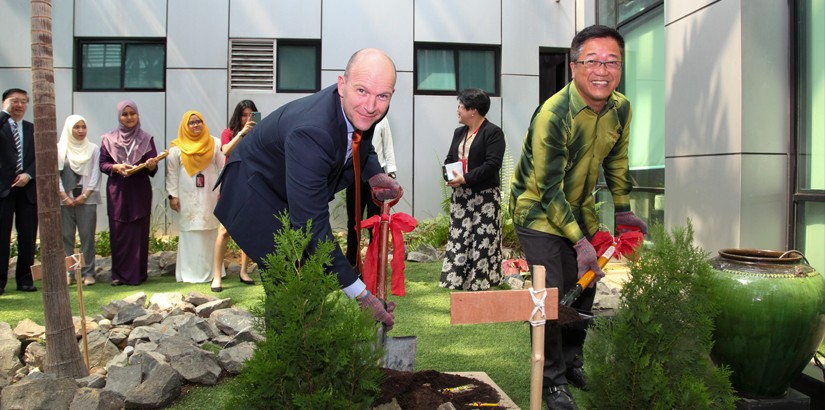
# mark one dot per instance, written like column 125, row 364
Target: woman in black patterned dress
column 473, row 257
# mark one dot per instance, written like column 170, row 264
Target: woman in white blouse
column 79, row 185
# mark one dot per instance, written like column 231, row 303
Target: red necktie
column 356, row 164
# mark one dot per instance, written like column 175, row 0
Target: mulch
column 428, row 389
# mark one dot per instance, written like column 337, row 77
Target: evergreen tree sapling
column 320, row 350
column 654, row 354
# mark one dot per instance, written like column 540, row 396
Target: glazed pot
column 772, row 318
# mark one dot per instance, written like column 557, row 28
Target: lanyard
column 463, row 154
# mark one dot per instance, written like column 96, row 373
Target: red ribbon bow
column 626, row 242
column 399, row 222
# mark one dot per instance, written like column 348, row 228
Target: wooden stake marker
column 498, row 306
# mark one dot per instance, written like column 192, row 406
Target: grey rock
column 118, row 334
column 123, row 379
column 195, row 331
column 165, row 301
column 447, row 406
column 147, row 319
column 232, row 320
column 138, row 299
column 147, row 361
column 128, row 314
column 112, row 308
column 159, row 389
column 46, row 392
column 198, row 298
column 35, row 355
column 95, row 381
column 193, row 363
column 120, row 360
column 514, row 281
column 101, row 350
column 206, row 309
column 250, row 334
column 88, row 398
column 393, row 405
column 144, row 333
column 9, row 351
column 145, row 346
column 232, row 359
column 27, row 329
column 424, row 253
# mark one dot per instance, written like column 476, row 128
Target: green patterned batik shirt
column 553, row 183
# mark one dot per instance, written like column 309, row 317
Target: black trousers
column 372, row 209
column 16, row 209
column 562, row 344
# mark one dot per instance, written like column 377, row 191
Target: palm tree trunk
column 62, row 352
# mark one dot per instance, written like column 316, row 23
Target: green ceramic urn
column 772, row 318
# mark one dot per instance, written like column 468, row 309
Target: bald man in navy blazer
column 18, row 193
column 299, row 156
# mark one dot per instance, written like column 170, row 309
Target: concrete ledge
column 504, row 399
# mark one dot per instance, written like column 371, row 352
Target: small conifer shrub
column 320, row 350
column 654, row 354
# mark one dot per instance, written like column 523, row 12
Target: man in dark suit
column 18, row 194
column 299, row 156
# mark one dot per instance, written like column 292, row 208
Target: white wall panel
column 458, row 21
column 62, row 33
column 764, row 188
column 107, row 18
column 275, row 19
column 197, row 36
column 552, row 25
column 352, row 25
column 708, row 190
column 765, row 51
column 521, row 94
column 63, row 97
column 703, row 69
column 435, row 120
column 676, row 9
column 16, row 19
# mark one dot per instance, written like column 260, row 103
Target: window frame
column 455, row 48
column 297, row 43
column 125, row 42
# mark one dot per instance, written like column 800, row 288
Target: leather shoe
column 575, row 376
column 558, row 398
column 27, row 289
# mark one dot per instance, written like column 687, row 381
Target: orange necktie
column 356, row 164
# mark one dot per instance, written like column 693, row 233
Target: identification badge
column 199, row 181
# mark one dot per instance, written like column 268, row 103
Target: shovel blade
column 399, row 353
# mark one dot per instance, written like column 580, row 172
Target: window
column 643, row 82
column 808, row 198
column 299, row 66
column 122, row 64
column 446, row 69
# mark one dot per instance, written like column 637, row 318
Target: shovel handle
column 587, row 278
column 383, row 240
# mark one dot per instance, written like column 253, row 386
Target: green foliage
column 432, row 232
column 162, row 243
column 320, row 350
column 103, row 243
column 654, row 354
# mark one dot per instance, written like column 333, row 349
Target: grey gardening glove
column 587, row 259
column 384, row 187
column 629, row 219
column 379, row 312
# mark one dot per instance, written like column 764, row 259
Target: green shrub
column 320, row 350
column 103, row 244
column 654, row 354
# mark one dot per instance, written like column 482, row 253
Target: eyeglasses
column 17, row 101
column 195, row 123
column 594, row 64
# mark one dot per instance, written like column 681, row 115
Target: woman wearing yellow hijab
column 192, row 168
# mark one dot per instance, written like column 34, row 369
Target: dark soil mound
column 427, row 390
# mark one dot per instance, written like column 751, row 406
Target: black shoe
column 247, row 282
column 217, row 289
column 116, row 283
column 27, row 289
column 558, row 398
column 575, row 376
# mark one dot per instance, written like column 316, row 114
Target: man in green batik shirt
column 582, row 127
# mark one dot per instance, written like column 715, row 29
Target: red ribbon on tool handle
column 399, row 222
column 626, row 242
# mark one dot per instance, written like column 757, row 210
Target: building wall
column 728, row 121
column 198, row 34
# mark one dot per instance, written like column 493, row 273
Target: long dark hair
column 235, row 122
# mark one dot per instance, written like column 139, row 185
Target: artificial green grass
column 502, row 350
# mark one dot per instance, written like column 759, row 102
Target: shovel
column 623, row 244
column 399, row 352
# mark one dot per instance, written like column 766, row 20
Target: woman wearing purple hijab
column 128, row 197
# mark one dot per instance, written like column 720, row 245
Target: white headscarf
column 78, row 152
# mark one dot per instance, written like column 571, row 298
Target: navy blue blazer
column 295, row 160
column 8, row 158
